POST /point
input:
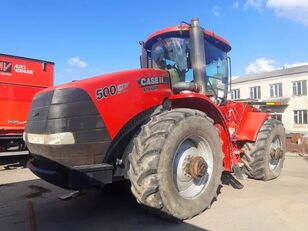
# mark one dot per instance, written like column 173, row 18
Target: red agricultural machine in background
column 20, row 79
column 168, row 127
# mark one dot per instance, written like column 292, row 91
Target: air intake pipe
column 196, row 34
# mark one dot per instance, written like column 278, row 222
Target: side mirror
column 144, row 56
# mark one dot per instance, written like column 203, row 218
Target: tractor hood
column 109, row 78
column 76, row 125
column 117, row 98
column 122, row 95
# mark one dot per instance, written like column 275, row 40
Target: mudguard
column 204, row 104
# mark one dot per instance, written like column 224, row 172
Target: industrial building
column 284, row 90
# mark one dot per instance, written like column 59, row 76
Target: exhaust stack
column 198, row 54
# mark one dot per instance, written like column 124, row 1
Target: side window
column 216, row 69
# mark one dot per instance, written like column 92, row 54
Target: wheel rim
column 194, row 154
column 275, row 153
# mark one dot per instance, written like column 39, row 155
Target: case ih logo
column 148, row 81
column 5, row 67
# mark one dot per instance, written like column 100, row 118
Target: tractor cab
column 194, row 58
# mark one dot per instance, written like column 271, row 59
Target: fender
column 250, row 126
column 204, row 104
column 125, row 135
column 245, row 119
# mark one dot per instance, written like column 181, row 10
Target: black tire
column 257, row 155
column 152, row 156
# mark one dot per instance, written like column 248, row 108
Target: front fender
column 204, row 104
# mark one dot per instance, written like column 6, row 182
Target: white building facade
column 287, row 87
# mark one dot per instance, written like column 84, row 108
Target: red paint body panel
column 20, row 79
column 250, row 126
column 199, row 102
column 244, row 121
column 227, row 147
column 117, row 110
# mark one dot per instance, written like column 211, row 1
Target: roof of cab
column 180, row 29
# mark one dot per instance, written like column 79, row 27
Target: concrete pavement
column 281, row 204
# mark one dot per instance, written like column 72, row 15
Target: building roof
column 272, row 74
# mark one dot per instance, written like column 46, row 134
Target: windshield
column 173, row 54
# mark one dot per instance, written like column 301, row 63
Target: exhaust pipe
column 198, row 54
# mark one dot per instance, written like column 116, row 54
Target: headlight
column 60, row 138
column 35, row 138
column 50, row 139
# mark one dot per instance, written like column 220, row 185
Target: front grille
column 68, row 110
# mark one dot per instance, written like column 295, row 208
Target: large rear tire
column 176, row 163
column 265, row 157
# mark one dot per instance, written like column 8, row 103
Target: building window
column 300, row 117
column 275, row 90
column 300, row 87
column 255, row 92
column 235, row 94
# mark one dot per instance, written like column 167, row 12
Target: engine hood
column 120, row 96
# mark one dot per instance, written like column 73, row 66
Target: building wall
column 294, row 103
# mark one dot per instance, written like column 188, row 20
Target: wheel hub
column 276, row 153
column 192, row 166
column 196, row 167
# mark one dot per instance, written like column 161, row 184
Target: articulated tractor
column 168, row 127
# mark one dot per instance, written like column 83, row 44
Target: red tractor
column 167, row 127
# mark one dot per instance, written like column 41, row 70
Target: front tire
column 265, row 157
column 176, row 163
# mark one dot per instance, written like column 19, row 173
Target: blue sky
column 91, row 37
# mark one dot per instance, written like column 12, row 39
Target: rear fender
column 250, row 126
column 244, row 119
column 204, row 104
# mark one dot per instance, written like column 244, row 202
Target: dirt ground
column 28, row 203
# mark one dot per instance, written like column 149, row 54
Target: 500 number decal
column 106, row 92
